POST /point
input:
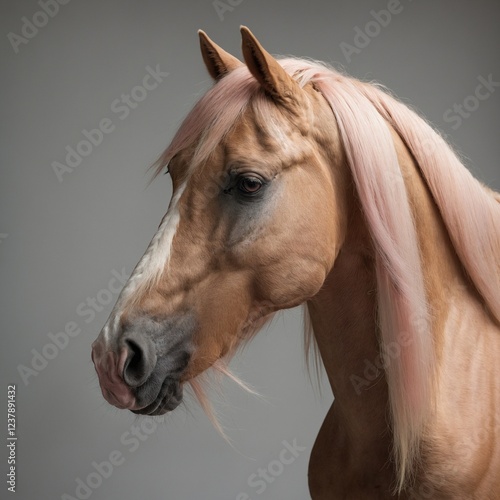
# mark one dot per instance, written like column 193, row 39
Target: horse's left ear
column 218, row 62
column 266, row 69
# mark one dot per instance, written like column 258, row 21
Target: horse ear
column 266, row 69
column 217, row 60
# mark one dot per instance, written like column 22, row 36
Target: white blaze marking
column 151, row 265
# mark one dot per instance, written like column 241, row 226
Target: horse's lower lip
column 157, row 409
column 169, row 397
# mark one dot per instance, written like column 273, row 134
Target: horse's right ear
column 217, row 60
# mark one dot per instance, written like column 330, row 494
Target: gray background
column 65, row 238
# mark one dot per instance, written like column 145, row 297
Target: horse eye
column 249, row 185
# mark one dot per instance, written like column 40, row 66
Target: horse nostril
column 134, row 366
column 140, row 361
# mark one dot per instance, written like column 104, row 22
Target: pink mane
column 471, row 215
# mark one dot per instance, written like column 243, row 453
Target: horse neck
column 343, row 313
column 343, row 319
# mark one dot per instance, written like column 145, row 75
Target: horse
column 294, row 183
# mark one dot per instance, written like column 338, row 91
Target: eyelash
column 241, row 178
column 251, row 179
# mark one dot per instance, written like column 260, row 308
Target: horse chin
column 167, row 400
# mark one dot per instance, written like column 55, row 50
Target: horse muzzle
column 142, row 373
